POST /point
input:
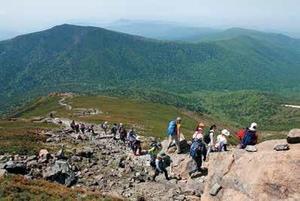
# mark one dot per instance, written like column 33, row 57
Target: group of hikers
column 203, row 143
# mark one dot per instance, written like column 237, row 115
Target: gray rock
column 251, row 148
column 294, row 136
column 32, row 163
column 215, row 189
column 31, row 158
column 15, row 167
column 281, row 147
column 60, row 172
column 60, row 154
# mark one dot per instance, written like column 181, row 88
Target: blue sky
column 31, row 15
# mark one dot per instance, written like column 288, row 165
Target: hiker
column 137, row 146
column 91, row 129
column 250, row 137
column 123, row 134
column 82, row 128
column 221, row 143
column 209, row 139
column 199, row 131
column 131, row 137
column 114, row 130
column 198, row 152
column 77, row 128
column 174, row 133
column 104, row 126
column 153, row 151
column 73, row 125
column 162, row 161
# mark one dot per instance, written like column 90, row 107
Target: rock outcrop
column 263, row 175
column 294, row 136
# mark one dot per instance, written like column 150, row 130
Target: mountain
column 160, row 30
column 89, row 59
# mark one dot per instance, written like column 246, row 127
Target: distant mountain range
column 84, row 59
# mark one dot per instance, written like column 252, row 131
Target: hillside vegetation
column 85, row 59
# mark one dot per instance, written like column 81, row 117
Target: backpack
column 240, row 134
column 171, row 128
column 167, row 161
column 194, row 151
column 206, row 138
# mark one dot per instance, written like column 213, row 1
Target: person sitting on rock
column 153, row 151
column 250, row 137
column 114, row 130
column 198, row 152
column 174, row 131
column 104, row 126
column 221, row 143
column 161, row 163
column 82, row 128
column 199, row 132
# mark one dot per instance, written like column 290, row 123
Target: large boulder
column 60, row 172
column 263, row 175
column 15, row 167
column 294, row 136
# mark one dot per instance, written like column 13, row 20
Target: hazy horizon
column 270, row 15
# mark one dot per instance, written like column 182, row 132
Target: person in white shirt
column 221, row 144
column 198, row 135
column 211, row 144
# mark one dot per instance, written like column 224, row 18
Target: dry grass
column 17, row 188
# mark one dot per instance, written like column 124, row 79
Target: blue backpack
column 171, row 128
column 197, row 148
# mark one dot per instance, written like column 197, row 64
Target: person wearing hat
column 250, row 137
column 174, row 130
column 162, row 161
column 221, row 144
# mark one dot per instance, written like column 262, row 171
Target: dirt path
column 62, row 103
column 293, row 106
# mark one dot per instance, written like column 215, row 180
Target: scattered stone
column 294, row 136
column 281, row 147
column 61, row 173
column 31, row 158
column 251, row 148
column 215, row 189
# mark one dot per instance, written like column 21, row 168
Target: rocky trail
column 99, row 162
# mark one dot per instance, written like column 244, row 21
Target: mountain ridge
column 81, row 59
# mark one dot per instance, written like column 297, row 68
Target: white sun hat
column 225, row 132
column 253, row 126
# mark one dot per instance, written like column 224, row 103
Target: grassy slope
column 150, row 118
column 20, row 137
column 18, row 188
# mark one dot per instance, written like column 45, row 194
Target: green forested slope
column 85, row 59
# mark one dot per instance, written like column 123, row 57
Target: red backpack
column 240, row 134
